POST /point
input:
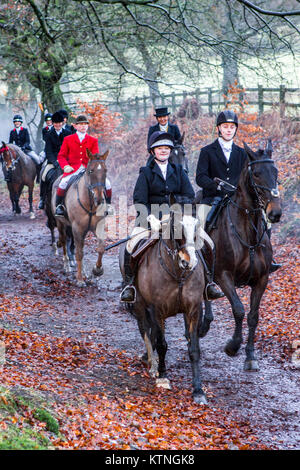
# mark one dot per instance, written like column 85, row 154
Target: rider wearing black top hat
column 163, row 124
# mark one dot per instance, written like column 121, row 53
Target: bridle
column 262, row 206
column 14, row 161
column 274, row 192
column 90, row 187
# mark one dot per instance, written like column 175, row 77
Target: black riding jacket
column 152, row 188
column 212, row 163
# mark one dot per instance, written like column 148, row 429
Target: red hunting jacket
column 73, row 152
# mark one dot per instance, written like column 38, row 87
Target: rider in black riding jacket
column 54, row 140
column 221, row 159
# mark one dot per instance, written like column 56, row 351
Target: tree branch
column 282, row 14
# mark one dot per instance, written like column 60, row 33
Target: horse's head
column 6, row 155
column 182, row 232
column 263, row 181
column 177, row 154
column 96, row 175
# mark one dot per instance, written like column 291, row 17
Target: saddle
column 74, row 179
column 140, row 249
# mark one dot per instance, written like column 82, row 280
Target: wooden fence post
column 260, row 99
column 282, row 100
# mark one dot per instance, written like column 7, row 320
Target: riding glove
column 68, row 169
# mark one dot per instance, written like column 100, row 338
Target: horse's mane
column 19, row 151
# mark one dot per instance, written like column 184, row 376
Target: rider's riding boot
column 128, row 294
column 43, row 189
column 211, row 291
column 60, row 209
column 274, row 266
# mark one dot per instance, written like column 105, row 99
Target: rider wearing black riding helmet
column 66, row 126
column 20, row 135
column 222, row 159
column 156, row 181
column 48, row 122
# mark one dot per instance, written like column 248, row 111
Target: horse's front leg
column 30, row 198
column 227, row 285
column 98, row 268
column 79, row 243
column 251, row 363
column 192, row 320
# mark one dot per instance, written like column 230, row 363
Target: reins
column 184, row 273
column 90, row 188
column 275, row 193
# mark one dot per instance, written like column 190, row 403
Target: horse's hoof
column 32, row 216
column 251, row 365
column 231, row 349
column 80, row 284
column 98, row 271
column 200, row 399
column 72, row 263
column 163, row 383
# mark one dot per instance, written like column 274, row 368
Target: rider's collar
column 226, row 144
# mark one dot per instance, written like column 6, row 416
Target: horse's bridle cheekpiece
column 273, row 191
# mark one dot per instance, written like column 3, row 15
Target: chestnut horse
column 243, row 252
column 170, row 280
column 19, row 171
column 85, row 211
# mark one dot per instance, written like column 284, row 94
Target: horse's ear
column 172, row 199
column 252, row 155
column 269, row 147
column 104, row 156
column 3, row 144
column 89, row 154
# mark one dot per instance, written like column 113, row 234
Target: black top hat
column 161, row 112
column 57, row 117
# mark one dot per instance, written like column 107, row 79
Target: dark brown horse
column 177, row 154
column 19, row 171
column 85, row 206
column 243, row 252
column 170, row 280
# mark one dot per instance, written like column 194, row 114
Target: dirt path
column 268, row 399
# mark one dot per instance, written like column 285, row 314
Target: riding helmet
column 227, row 116
column 17, row 118
column 159, row 138
column 48, row 116
column 64, row 113
column 57, row 117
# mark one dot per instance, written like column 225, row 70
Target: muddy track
column 268, row 399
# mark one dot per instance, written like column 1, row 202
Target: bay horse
column 19, row 171
column 85, row 211
column 243, row 252
column 170, row 280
